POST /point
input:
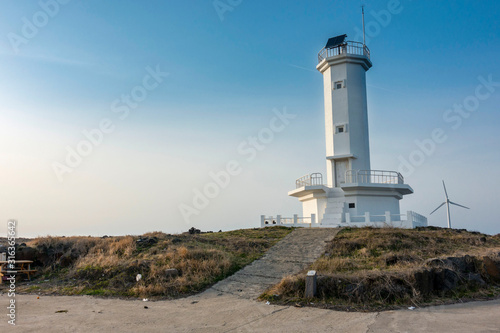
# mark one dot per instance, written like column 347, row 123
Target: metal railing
column 348, row 47
column 315, row 178
column 417, row 219
column 373, row 177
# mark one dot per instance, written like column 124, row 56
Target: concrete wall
column 376, row 205
column 358, row 116
column 314, row 206
column 346, row 107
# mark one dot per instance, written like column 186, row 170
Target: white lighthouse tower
column 353, row 194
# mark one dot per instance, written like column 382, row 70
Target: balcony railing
column 309, row 180
column 348, row 47
column 373, row 177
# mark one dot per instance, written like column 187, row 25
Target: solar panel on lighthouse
column 335, row 41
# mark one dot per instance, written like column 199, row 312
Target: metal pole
column 363, row 14
column 448, row 213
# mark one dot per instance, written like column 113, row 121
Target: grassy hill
column 169, row 265
column 362, row 269
column 368, row 269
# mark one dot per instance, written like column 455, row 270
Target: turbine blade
column 441, row 205
column 445, row 192
column 458, row 205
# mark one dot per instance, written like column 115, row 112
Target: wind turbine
column 448, row 202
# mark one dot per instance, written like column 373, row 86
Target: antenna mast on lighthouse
column 363, row 14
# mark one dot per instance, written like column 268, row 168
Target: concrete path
column 292, row 254
column 228, row 313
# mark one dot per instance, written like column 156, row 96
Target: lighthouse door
column 341, row 166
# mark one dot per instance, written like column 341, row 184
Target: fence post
column 278, row 219
column 295, row 220
column 348, row 217
column 313, row 220
column 409, row 217
column 367, row 217
column 388, row 217
column 311, row 284
column 262, row 221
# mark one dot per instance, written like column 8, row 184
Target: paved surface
column 227, row 313
column 292, row 254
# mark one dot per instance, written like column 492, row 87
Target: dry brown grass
column 376, row 268
column 396, row 249
column 109, row 266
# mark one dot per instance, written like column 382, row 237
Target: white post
column 367, row 217
column 278, row 219
column 262, row 221
column 388, row 217
column 313, row 219
column 295, row 220
column 348, row 217
column 409, row 217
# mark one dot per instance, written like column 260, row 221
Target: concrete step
column 331, row 221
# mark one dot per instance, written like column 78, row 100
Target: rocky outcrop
column 444, row 274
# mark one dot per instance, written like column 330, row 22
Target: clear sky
column 178, row 89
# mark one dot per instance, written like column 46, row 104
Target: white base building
column 354, row 194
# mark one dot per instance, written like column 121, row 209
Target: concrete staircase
column 291, row 255
column 334, row 211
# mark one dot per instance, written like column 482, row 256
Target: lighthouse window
column 340, row 129
column 338, row 85
column 352, row 205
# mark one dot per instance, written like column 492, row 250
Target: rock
column 435, row 262
column 463, row 264
column 492, row 269
column 391, row 260
column 450, row 280
column 424, row 282
column 476, row 278
column 26, row 253
column 171, row 272
column 460, row 264
column 176, row 240
column 193, row 231
column 147, row 241
column 394, row 259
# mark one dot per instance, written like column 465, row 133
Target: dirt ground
column 209, row 312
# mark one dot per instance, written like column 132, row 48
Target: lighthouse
column 352, row 193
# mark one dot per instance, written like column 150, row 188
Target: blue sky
column 225, row 78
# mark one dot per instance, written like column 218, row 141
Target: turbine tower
column 447, row 202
